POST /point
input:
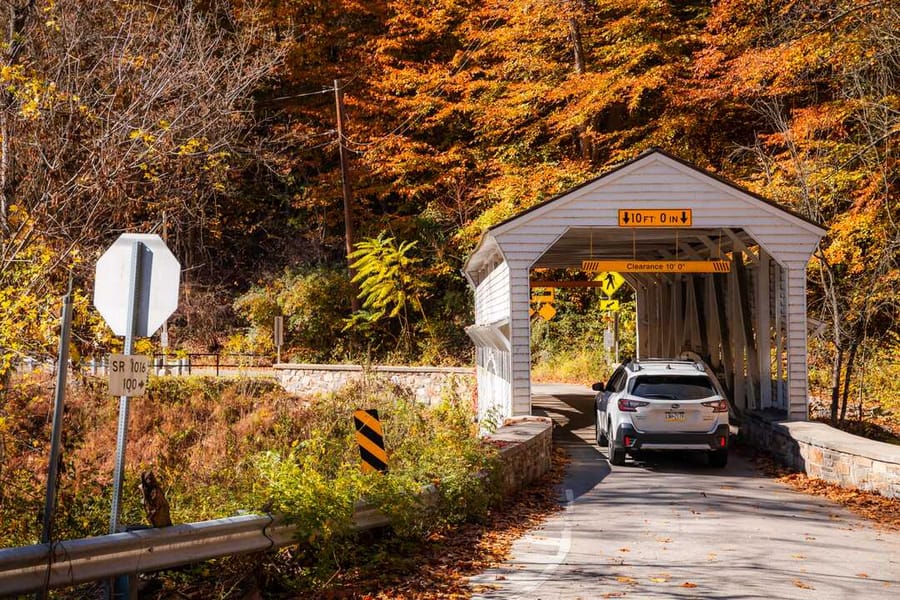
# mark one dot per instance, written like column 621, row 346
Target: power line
column 327, row 90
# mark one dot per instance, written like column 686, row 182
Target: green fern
column 388, row 282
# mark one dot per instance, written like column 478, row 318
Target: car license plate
column 675, row 416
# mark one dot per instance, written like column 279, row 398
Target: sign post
column 144, row 264
column 62, row 370
column 152, row 275
column 278, row 334
column 135, row 293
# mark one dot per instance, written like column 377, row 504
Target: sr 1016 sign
column 128, row 374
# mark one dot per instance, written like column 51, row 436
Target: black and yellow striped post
column 370, row 438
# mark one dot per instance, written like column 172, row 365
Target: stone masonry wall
column 428, row 383
column 525, row 442
column 829, row 454
column 525, row 451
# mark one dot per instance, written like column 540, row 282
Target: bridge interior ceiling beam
column 579, row 244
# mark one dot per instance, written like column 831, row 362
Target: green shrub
column 425, row 447
column 315, row 303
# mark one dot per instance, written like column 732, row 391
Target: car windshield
column 673, row 387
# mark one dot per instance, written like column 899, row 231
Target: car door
column 615, row 384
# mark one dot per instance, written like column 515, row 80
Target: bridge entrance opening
column 716, row 271
column 702, row 293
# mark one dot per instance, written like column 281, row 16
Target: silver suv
column 662, row 405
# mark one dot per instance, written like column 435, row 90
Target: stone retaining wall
column 428, row 383
column 826, row 453
column 525, row 450
column 525, row 442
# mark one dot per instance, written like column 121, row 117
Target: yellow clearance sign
column 658, row 266
column 642, row 217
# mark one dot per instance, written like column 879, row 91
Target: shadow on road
column 573, row 430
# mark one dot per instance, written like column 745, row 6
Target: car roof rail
column 696, row 363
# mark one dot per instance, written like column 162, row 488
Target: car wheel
column 616, row 456
column 598, row 433
column 718, row 458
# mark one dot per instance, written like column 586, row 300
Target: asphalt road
column 673, row 527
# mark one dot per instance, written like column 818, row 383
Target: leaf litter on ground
column 448, row 559
column 882, row 511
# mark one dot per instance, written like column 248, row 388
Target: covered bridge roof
column 726, row 216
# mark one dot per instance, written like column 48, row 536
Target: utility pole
column 345, row 185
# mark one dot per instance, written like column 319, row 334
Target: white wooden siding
column 797, row 381
column 492, row 297
column 494, row 389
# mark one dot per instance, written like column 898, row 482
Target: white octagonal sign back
column 158, row 284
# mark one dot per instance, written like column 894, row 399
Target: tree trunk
column 836, row 366
column 17, row 15
column 4, row 166
column 578, row 52
column 848, row 373
column 577, row 45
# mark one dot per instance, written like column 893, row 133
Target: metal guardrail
column 71, row 562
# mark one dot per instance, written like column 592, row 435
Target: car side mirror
column 598, row 387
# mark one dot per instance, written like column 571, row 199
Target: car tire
column 616, row 456
column 598, row 434
column 718, row 458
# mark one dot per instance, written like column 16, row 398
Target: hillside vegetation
column 222, row 446
column 214, row 123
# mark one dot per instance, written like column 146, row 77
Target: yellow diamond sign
column 547, row 312
column 611, row 281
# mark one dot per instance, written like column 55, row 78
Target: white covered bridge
column 748, row 322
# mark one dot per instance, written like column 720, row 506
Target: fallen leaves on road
column 627, row 580
column 688, row 584
column 885, row 512
column 444, row 564
column 874, row 507
column 803, row 585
